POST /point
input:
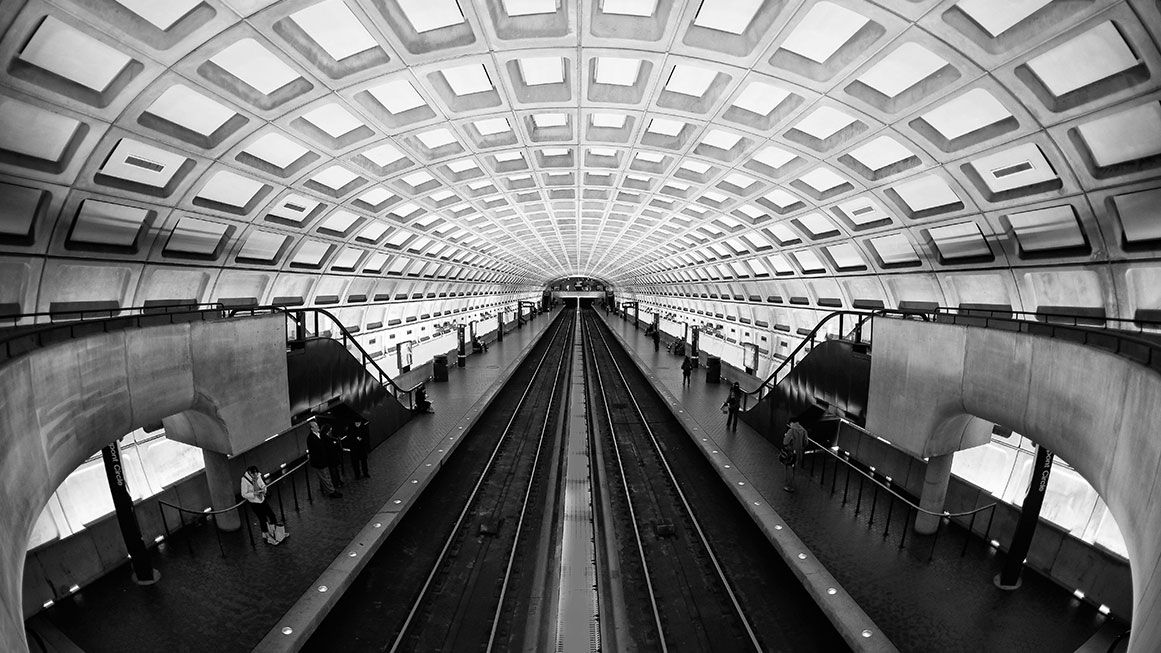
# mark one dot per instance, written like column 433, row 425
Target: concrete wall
column 1095, row 409
column 225, row 381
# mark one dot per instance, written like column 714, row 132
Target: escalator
column 328, row 370
column 825, row 370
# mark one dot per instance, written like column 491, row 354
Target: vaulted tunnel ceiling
column 653, row 143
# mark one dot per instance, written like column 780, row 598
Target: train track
column 691, row 602
column 462, row 604
column 680, row 564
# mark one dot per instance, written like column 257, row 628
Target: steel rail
column 628, row 495
column 681, row 495
column 439, row 561
column 528, row 492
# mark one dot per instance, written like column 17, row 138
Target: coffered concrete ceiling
column 970, row 151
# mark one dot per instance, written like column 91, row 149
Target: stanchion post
column 281, row 508
column 935, row 540
column 859, row 502
column 890, row 510
column 242, row 514
column 971, row 527
column 218, row 533
column 294, row 492
column 847, row 483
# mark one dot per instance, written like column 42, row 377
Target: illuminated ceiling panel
column 545, row 139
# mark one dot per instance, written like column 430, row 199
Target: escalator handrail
column 348, row 339
column 809, row 339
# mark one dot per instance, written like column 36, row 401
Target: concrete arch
column 219, row 385
column 934, row 385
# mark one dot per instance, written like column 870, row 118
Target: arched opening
column 578, row 283
column 225, row 380
column 933, row 383
column 1003, row 467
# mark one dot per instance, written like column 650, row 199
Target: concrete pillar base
column 224, row 481
column 1009, row 588
column 934, row 492
column 156, row 577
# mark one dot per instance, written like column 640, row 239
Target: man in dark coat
column 359, row 444
column 334, row 450
column 316, row 448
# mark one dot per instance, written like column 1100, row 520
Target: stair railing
column 860, row 332
column 302, row 318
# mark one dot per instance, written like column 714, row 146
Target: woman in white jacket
column 254, row 491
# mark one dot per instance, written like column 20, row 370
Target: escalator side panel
column 320, row 369
column 832, row 372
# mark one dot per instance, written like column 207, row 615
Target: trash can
column 439, row 367
column 713, row 369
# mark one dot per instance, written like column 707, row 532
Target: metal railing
column 302, row 318
column 14, row 319
column 885, row 483
column 242, row 506
column 861, row 331
column 17, row 339
column 1127, row 338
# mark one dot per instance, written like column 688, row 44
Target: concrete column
column 934, row 492
column 224, row 485
column 143, row 572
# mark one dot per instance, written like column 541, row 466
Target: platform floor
column 209, row 602
column 946, row 604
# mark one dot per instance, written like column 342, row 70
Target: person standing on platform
column 359, row 444
column 790, row 455
column 686, row 371
column 334, row 450
column 732, row 406
column 253, row 490
column 317, row 450
column 656, row 339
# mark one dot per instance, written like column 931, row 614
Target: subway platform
column 229, row 598
column 932, row 594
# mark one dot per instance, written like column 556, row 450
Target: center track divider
column 295, row 627
column 852, row 623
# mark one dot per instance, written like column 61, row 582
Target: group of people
column 325, row 446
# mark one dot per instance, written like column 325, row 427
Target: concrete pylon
column 224, row 487
column 934, row 492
